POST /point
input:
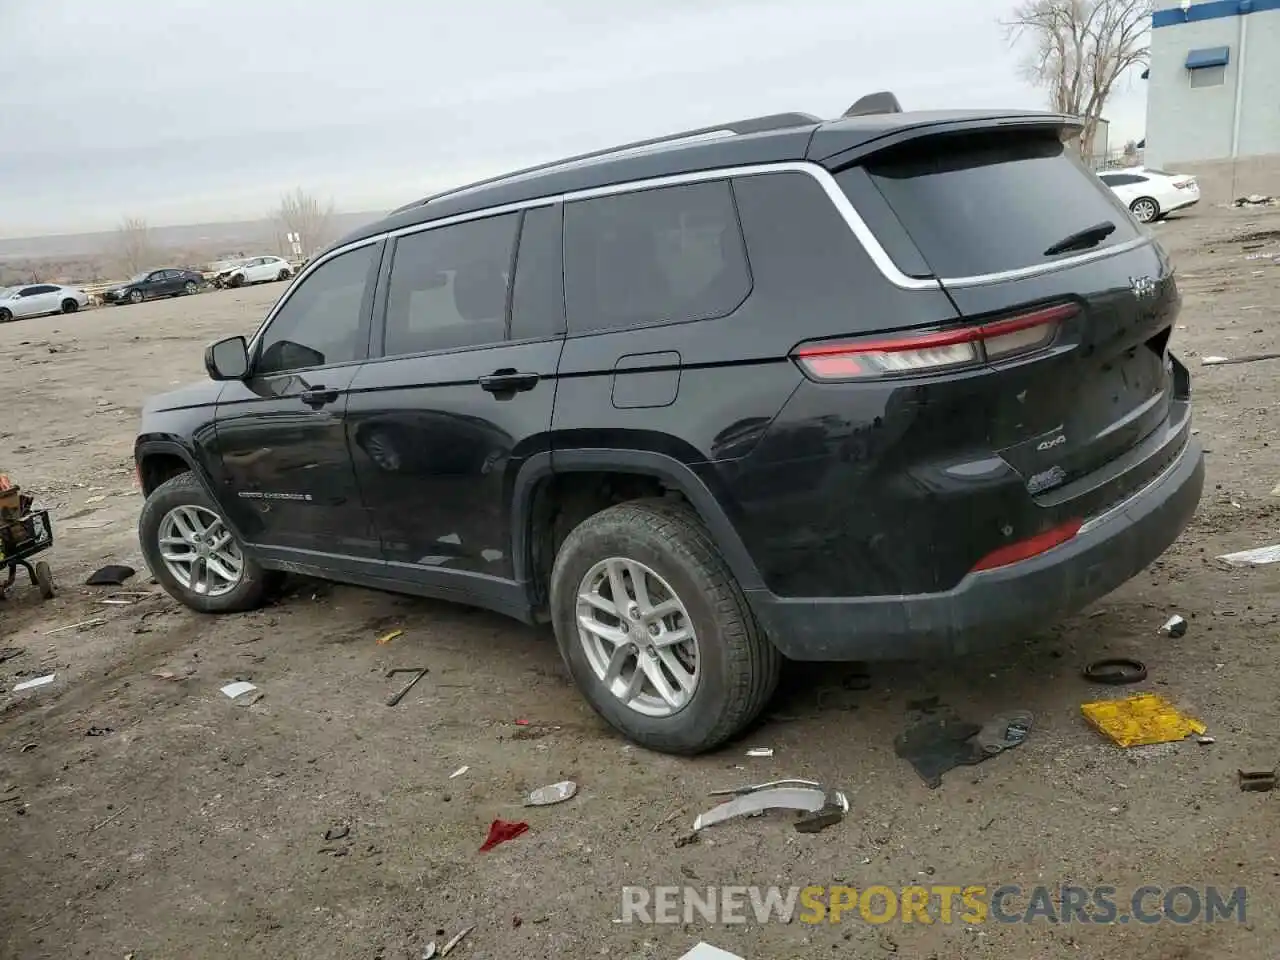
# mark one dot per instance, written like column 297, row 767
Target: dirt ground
column 190, row 826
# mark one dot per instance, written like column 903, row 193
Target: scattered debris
column 169, row 675
column 459, row 772
column 238, row 689
column 1140, row 720
column 500, row 831
column 1175, row 626
column 8, row 653
column 103, row 823
column 387, row 638
column 82, row 625
column 1254, row 557
column 1255, row 200
column 522, row 723
column 1115, row 671
column 516, row 922
column 686, row 840
column 98, row 731
column 1247, row 358
column 939, row 740
column 760, row 752
column 28, row 747
column 112, row 575
column 1257, row 780
column 456, row 939
column 828, row 816
column 743, row 791
column 429, row 952
column 338, row 832
column 804, row 799
column 555, row 793
column 35, row 682
column 397, row 697
column 1205, row 741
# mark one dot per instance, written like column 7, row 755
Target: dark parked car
column 155, row 283
column 892, row 385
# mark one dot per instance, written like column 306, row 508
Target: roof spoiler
column 873, row 103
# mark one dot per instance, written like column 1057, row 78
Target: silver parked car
column 36, row 299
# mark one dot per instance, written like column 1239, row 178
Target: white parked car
column 255, row 270
column 36, row 299
column 1150, row 194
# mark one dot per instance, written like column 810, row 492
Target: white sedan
column 1150, row 194
column 36, row 299
column 255, row 270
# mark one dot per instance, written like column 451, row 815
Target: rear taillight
column 938, row 350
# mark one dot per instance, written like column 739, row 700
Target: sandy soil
column 195, row 827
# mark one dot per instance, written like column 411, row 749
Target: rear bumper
column 995, row 605
column 1182, row 203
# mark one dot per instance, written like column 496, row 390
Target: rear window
column 985, row 205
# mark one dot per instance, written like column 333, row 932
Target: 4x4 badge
column 1142, row 287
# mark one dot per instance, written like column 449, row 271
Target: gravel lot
column 195, row 827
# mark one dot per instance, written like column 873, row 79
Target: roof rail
column 874, row 103
column 774, row 121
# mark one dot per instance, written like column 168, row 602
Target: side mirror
column 227, row 359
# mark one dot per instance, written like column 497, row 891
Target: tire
column 737, row 668
column 237, row 280
column 284, row 275
column 191, row 288
column 255, row 583
column 70, row 306
column 136, row 296
column 1145, row 210
column 6, row 315
column 44, row 579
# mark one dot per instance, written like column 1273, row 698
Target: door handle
column 318, row 396
column 508, row 381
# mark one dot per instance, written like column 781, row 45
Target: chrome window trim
column 857, row 226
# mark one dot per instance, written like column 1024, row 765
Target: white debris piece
column 705, row 951
column 238, row 689
column 1250, row 558
column 36, row 682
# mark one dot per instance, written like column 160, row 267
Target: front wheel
column 70, row 306
column 284, row 275
column 237, row 280
column 655, row 630
column 136, row 296
column 190, row 288
column 194, row 555
column 1145, row 210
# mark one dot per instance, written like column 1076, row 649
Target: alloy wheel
column 638, row 637
column 199, row 551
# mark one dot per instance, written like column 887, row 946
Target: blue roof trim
column 1208, row 57
column 1213, row 10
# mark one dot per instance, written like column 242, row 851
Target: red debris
column 500, row 831
column 522, row 723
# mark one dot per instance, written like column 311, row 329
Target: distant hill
column 249, row 235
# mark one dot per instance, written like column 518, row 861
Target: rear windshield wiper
column 1083, row 239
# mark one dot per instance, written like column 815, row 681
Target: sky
column 189, row 111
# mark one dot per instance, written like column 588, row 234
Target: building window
column 1208, row 77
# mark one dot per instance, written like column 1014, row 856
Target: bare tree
column 1081, row 48
column 303, row 213
column 134, row 250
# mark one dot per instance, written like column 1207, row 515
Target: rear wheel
column 1145, row 210
column 194, row 555
column 656, row 631
column 5, row 315
column 136, row 296
column 70, row 306
column 44, row 579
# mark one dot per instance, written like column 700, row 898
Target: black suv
column 888, row 386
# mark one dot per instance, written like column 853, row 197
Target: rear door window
column 984, row 205
column 537, row 299
column 449, row 285
column 664, row 255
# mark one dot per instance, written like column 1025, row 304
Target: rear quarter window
column 989, row 204
column 653, row 256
